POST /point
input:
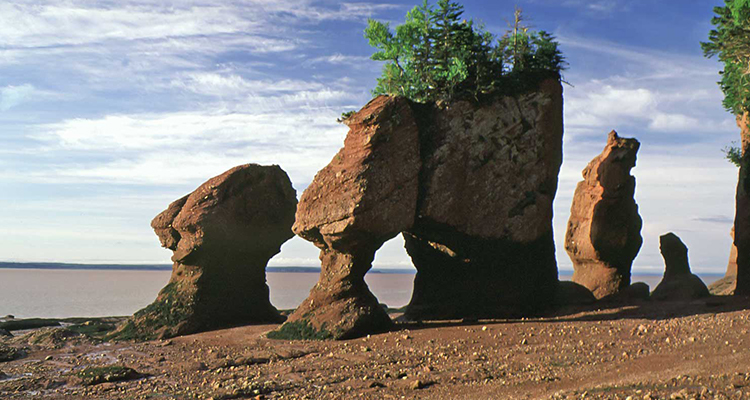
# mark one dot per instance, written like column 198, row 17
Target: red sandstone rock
column 482, row 242
column 726, row 285
column 365, row 196
column 222, row 236
column 678, row 282
column 603, row 235
column 470, row 186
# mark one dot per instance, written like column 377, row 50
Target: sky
column 110, row 110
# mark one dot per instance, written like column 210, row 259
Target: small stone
column 48, row 358
column 416, row 385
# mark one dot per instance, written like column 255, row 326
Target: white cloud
column 602, row 105
column 11, row 96
column 646, row 63
column 215, row 84
column 29, row 24
column 340, row 59
column 175, row 148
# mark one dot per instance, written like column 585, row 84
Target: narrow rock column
column 603, row 235
column 366, row 195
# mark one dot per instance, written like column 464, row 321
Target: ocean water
column 52, row 293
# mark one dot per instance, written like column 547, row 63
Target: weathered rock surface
column 222, row 236
column 603, row 235
column 635, row 292
column 678, row 282
column 482, row 241
column 742, row 214
column 365, row 196
column 471, row 189
column 726, row 285
column 570, row 293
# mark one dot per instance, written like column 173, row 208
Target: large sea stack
column 222, row 236
column 482, row 241
column 604, row 229
column 742, row 207
column 470, row 185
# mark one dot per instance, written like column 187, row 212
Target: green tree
column 438, row 55
column 730, row 42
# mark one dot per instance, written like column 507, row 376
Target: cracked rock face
column 603, row 235
column 222, row 236
column 470, row 187
column 678, row 282
column 482, row 240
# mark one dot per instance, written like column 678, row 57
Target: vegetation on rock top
column 437, row 55
column 730, row 42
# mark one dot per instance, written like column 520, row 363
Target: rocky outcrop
column 470, row 186
column 365, row 196
column 482, row 241
column 222, row 236
column 726, row 285
column 742, row 214
column 603, row 235
column 572, row 294
column 678, row 282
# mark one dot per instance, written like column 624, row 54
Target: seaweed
column 300, row 330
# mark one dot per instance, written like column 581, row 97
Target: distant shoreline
column 168, row 267
column 285, row 269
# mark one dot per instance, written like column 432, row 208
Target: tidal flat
column 648, row 350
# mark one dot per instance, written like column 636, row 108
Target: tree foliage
column 437, row 55
column 730, row 42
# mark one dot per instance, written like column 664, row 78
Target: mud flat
column 647, row 351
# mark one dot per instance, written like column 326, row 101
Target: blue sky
column 110, row 110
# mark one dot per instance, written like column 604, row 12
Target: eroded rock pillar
column 222, row 236
column 603, row 235
column 365, row 196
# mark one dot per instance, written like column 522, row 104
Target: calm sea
column 27, row 293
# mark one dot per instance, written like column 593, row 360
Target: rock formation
column 222, row 236
column 742, row 214
column 725, row 286
column 470, row 186
column 365, row 196
column 482, row 241
column 603, row 235
column 678, row 282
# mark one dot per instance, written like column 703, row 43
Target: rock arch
column 469, row 185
